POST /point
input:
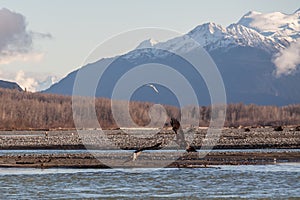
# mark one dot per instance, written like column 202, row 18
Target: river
column 244, row 181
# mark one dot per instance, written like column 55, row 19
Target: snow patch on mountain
column 208, row 33
column 248, row 37
column 275, row 24
column 212, row 36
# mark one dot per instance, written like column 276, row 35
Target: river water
column 248, row 182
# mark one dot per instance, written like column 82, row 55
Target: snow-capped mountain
column 270, row 32
column 212, row 36
column 284, row 27
column 243, row 52
column 244, row 36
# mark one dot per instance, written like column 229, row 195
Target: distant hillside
column 23, row 110
column 10, row 85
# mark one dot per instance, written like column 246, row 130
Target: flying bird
column 153, row 87
column 139, row 151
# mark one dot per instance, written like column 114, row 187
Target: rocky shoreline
column 256, row 138
column 146, row 160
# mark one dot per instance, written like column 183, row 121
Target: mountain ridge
column 10, row 85
column 276, row 24
column 242, row 54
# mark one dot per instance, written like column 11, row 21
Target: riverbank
column 151, row 159
column 255, row 138
column 168, row 156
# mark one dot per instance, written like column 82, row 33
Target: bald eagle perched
column 180, row 140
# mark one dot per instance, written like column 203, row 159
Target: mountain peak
column 276, row 24
column 239, row 29
column 208, row 33
column 251, row 13
column 210, row 27
column 147, row 43
column 244, row 36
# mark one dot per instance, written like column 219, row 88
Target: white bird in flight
column 153, row 87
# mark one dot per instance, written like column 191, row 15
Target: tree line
column 25, row 110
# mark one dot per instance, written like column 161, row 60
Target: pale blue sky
column 77, row 26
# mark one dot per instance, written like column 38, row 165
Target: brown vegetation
column 254, row 115
column 23, row 110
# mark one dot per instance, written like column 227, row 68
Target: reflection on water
column 253, row 181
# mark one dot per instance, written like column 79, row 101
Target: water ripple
column 259, row 181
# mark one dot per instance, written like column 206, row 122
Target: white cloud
column 16, row 42
column 32, row 82
column 287, row 60
column 44, row 82
column 35, row 57
column 27, row 83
